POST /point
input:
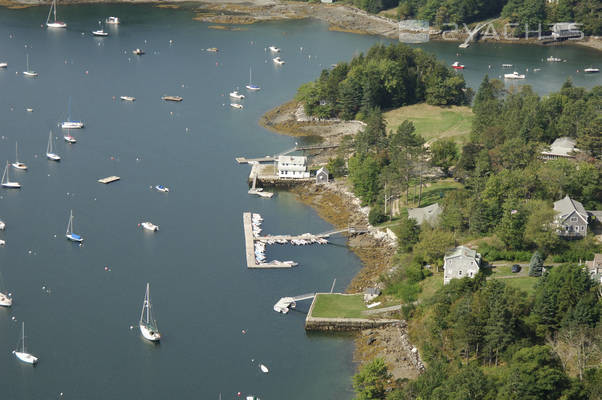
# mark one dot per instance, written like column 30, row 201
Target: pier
column 286, row 303
column 109, row 179
column 254, row 189
column 245, row 160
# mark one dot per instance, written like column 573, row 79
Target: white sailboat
column 17, row 164
column 250, row 86
column 148, row 326
column 54, row 23
column 69, row 124
column 29, row 72
column 6, row 182
column 49, row 154
column 74, row 237
column 22, row 353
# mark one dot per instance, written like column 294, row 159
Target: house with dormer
column 571, row 218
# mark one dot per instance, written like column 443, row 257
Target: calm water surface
column 77, row 314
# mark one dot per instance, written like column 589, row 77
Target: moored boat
column 148, row 325
column 236, row 105
column 212, row 49
column 514, row 75
column 112, row 21
column 49, row 153
column 274, row 49
column 54, row 23
column 236, row 95
column 22, row 353
column 29, row 72
column 127, row 98
column 278, row 61
column 591, row 70
column 457, row 65
column 149, row 226
column 74, row 237
column 138, row 52
column 172, row 98
column 6, row 182
column 3, row 65
column 161, row 188
column 17, row 164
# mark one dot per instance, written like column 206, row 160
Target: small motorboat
column 100, row 32
column 553, row 59
column 274, row 49
column 263, row 368
column 69, row 139
column 112, row 20
column 464, row 45
column 278, row 61
column 161, row 188
column 2, row 225
column 138, row 52
column 457, row 65
column 5, row 301
column 172, row 98
column 3, row 65
column 236, row 95
column 506, row 65
column 591, row 70
column 212, row 49
column 514, row 75
column 72, row 125
column 127, row 98
column 149, row 226
column 236, row 105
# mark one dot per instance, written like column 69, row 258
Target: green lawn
column 430, row 285
column 338, row 306
column 434, row 122
column 433, row 192
column 525, row 283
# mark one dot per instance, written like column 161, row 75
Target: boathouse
column 322, row 175
column 292, row 167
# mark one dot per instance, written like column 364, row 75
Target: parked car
column 515, row 268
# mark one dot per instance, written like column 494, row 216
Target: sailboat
column 17, row 164
column 71, row 124
column 22, row 354
column 148, row 326
column 6, row 183
column 74, row 237
column 250, row 86
column 54, row 23
column 101, row 31
column 29, row 72
column 5, row 300
column 49, row 154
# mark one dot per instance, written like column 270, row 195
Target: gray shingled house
column 571, row 218
column 459, row 263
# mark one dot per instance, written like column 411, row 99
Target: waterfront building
column 292, row 167
column 459, row 263
column 322, row 175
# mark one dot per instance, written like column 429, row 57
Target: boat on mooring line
column 22, row 353
column 148, row 325
column 74, row 237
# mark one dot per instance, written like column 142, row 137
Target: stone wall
column 345, row 324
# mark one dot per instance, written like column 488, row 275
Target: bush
column 376, row 215
column 493, row 253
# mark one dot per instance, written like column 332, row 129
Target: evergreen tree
column 536, row 264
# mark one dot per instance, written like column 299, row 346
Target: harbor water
column 81, row 304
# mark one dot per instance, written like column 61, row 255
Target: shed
column 322, row 175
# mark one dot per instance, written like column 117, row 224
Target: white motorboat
column 514, row 75
column 263, row 368
column 5, row 301
column 17, row 164
column 29, row 72
column 138, row 52
column 506, row 65
column 112, row 21
column 54, row 23
column 69, row 124
column 274, row 49
column 457, row 65
column 161, row 188
column 236, row 95
column 553, row 59
column 278, row 61
column 49, row 154
column 148, row 325
column 149, row 226
column 6, row 182
column 464, row 45
column 100, row 33
column 127, row 98
column 236, row 105
column 2, row 225
column 591, row 70
column 250, row 86
column 74, row 237
column 22, row 353
column 69, row 139
column 3, row 65
column 2, row 242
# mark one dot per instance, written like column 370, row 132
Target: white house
column 459, row 263
column 563, row 147
column 292, row 167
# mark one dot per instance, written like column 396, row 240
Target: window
column 459, row 273
column 573, row 219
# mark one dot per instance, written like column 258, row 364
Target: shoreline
column 223, row 14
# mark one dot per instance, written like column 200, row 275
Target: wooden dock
column 245, row 160
column 109, row 179
column 250, row 247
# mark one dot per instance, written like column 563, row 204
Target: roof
column 462, row 251
column 292, row 159
column 567, row 206
column 562, row 147
column 323, row 169
column 428, row 213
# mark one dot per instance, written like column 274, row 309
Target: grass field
column 338, row 306
column 434, row 122
column 432, row 193
column 525, row 283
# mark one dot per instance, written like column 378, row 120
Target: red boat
column 457, row 65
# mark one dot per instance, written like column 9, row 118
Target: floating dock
column 109, row 179
column 250, row 247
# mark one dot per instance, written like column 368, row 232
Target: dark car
column 515, row 268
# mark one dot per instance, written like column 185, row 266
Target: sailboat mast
column 16, row 152
column 49, row 147
column 54, row 6
column 147, row 305
column 23, row 337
